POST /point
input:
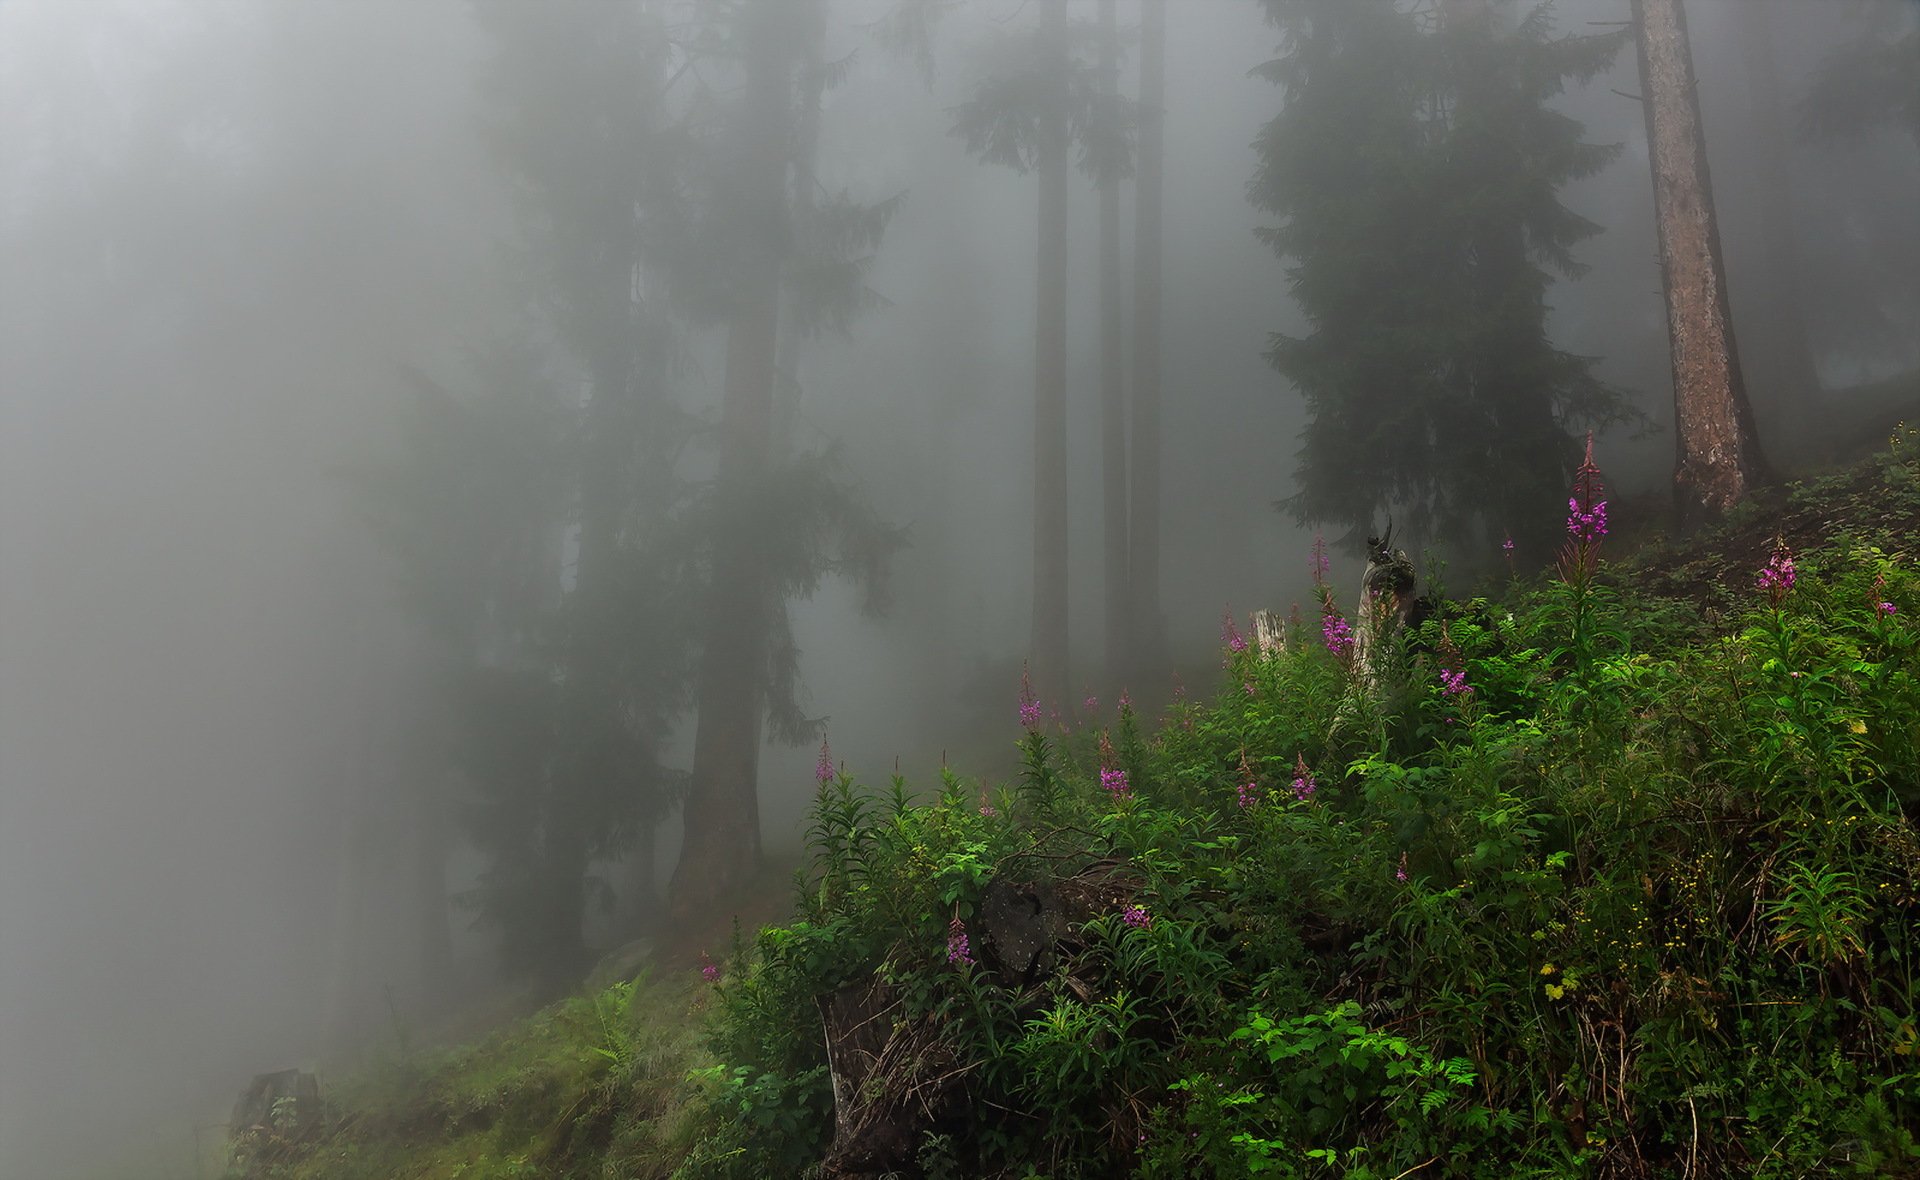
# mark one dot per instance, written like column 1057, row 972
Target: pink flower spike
column 1303, row 782
column 1230, row 634
column 1029, row 703
column 959, row 953
column 823, row 769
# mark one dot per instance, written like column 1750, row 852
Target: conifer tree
column 1415, row 165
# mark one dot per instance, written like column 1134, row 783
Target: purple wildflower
column 1778, row 575
column 1249, row 789
column 1029, row 704
column 1887, row 608
column 1586, row 521
column 1113, row 780
column 1453, row 684
column 1507, row 545
column 1400, row 874
column 1586, row 525
column 1091, row 704
column 1337, row 633
column 1303, row 782
column 709, row 970
column 1230, row 634
column 958, row 952
column 1136, row 917
column 1126, row 700
column 823, row 769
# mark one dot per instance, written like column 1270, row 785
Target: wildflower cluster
column 1136, row 917
column 1337, row 634
column 1586, row 521
column 1230, row 634
column 709, row 970
column 959, row 953
column 823, row 769
column 1778, row 575
column 1303, row 782
column 1584, row 524
column 1113, row 779
column 1249, row 788
column 1453, row 683
column 1029, row 704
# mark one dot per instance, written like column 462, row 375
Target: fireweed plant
column 1563, row 892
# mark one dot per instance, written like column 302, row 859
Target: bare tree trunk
column 1718, row 455
column 1113, row 378
column 1143, row 544
column 1049, row 648
column 721, row 848
column 1783, row 350
column 430, row 882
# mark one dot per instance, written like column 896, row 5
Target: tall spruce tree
column 1148, row 631
column 773, row 523
column 1415, row 164
column 562, row 677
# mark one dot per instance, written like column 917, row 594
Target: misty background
column 234, row 236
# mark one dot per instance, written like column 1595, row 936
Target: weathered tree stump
column 894, row 1081
column 1269, row 633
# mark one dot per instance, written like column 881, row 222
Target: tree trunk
column 430, row 882
column 1791, row 388
column 721, row 848
column 1718, row 456
column 1143, row 543
column 1049, row 646
column 1113, row 388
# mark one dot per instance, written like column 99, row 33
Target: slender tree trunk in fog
column 1783, row 349
column 1049, row 648
column 722, row 812
column 430, row 882
column 1718, row 455
column 1143, row 544
column 1113, row 378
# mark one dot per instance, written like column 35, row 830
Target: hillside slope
column 1614, row 877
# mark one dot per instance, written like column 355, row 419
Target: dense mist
column 310, row 319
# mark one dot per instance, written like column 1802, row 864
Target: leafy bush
column 1559, row 885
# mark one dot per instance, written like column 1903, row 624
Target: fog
column 237, row 239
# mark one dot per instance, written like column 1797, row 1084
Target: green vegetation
column 589, row 1084
column 1598, row 879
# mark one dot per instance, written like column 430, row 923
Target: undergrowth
column 1592, row 880
column 1568, row 884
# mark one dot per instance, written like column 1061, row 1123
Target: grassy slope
column 599, row 1086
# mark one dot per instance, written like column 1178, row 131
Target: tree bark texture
column 1049, row 647
column 721, row 847
column 1113, row 378
column 1718, row 456
column 1143, row 542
